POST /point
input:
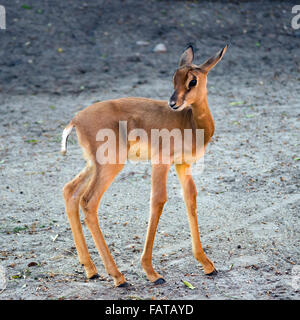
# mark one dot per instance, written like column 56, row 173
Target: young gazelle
column 187, row 109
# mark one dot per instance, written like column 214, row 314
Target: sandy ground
column 248, row 195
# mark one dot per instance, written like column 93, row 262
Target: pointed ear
column 187, row 56
column 211, row 62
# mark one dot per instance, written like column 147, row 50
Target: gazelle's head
column 190, row 80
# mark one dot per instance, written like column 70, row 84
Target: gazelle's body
column 188, row 109
column 138, row 113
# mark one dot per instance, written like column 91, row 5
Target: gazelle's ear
column 211, row 62
column 187, row 56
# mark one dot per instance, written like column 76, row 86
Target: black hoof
column 159, row 281
column 214, row 273
column 95, row 276
column 123, row 285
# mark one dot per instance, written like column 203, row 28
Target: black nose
column 173, row 99
column 172, row 103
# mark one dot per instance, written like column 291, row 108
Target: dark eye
column 192, row 83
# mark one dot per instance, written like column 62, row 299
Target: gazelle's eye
column 192, row 83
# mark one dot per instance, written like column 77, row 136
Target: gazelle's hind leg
column 72, row 194
column 101, row 179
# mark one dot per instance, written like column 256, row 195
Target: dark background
column 98, row 46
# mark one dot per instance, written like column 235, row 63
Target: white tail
column 65, row 136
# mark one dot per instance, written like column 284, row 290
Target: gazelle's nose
column 172, row 103
column 173, row 100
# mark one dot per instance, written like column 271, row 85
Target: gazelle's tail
column 65, row 136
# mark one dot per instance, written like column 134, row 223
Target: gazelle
column 187, row 109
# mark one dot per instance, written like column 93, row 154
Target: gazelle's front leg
column 190, row 195
column 158, row 199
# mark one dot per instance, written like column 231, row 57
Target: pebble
column 159, row 48
column 142, row 43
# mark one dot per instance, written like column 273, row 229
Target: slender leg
column 72, row 194
column 190, row 194
column 100, row 181
column 158, row 199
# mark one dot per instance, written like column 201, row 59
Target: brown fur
column 88, row 187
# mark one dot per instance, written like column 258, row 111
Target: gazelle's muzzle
column 176, row 103
column 173, row 101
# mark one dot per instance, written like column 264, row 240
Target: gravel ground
column 58, row 57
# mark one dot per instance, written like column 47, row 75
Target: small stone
column 32, row 264
column 160, row 48
column 142, row 43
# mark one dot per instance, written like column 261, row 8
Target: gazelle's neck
column 203, row 118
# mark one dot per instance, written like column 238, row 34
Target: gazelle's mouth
column 178, row 108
